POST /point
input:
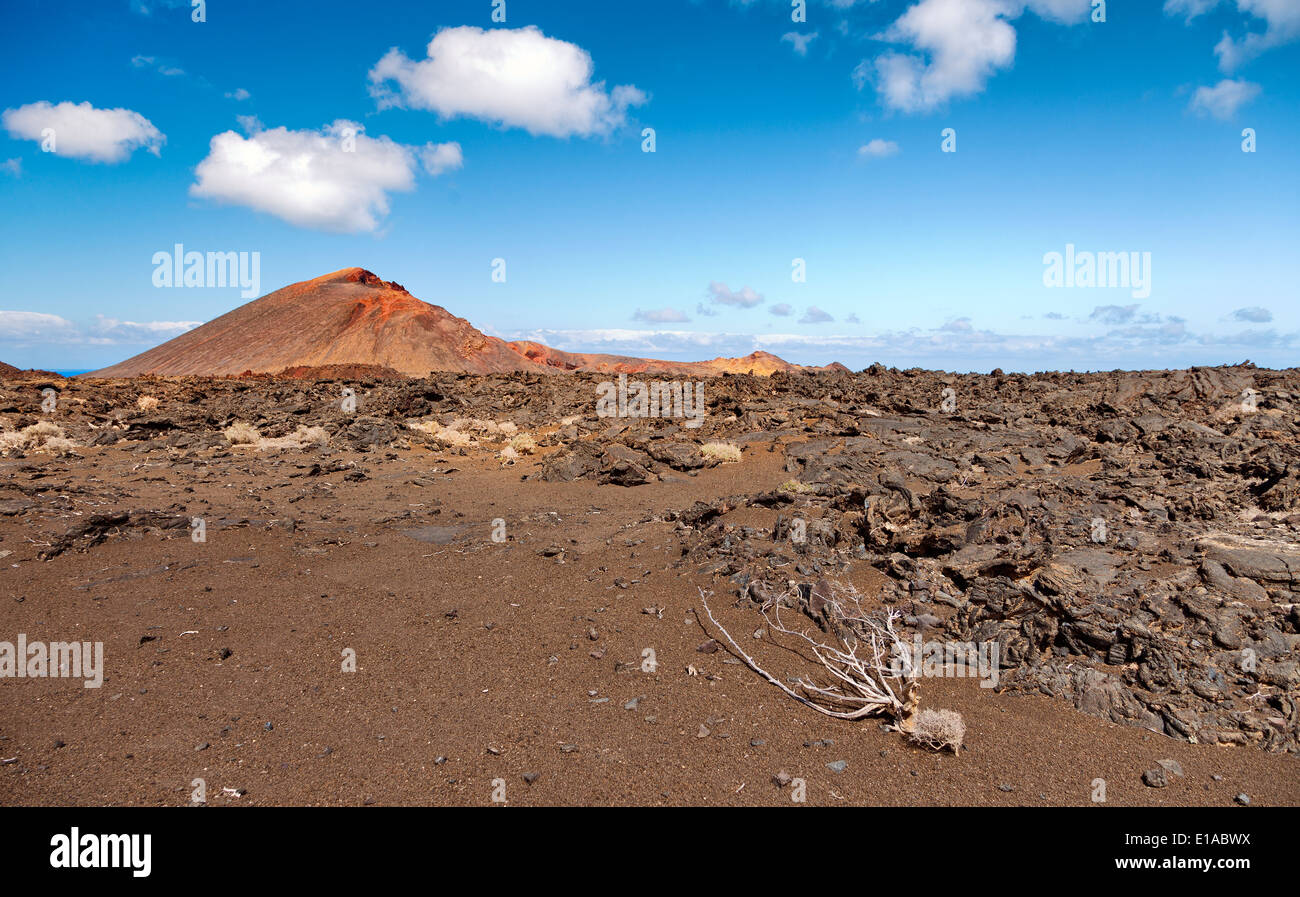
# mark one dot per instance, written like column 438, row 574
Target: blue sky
column 775, row 140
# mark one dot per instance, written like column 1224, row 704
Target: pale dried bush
column 240, row 433
column 303, row 437
column 720, row 451
column 798, row 487
column 436, row 432
column 58, row 445
column 146, row 403
column 523, row 444
column 938, row 729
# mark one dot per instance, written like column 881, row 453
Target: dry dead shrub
column 146, row 403
column 437, row 433
column 938, row 729
column 523, row 444
column 720, row 451
column 798, row 487
column 240, row 433
column 42, row 435
column 872, row 670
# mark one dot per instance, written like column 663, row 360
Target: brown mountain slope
column 348, row 317
column 352, row 319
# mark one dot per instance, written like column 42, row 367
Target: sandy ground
column 477, row 662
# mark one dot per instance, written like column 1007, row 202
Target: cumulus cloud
column 1255, row 314
column 238, row 94
column 958, row 45
column 80, row 131
column 704, row 310
column 1223, row 99
column 1281, row 26
column 815, row 315
column 958, row 325
column 440, row 157
column 783, row 310
column 660, row 316
column 12, row 167
column 335, row 179
column 878, row 149
column 516, row 78
column 745, row 297
column 799, row 41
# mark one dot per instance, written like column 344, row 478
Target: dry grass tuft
column 240, row 433
column 720, row 451
column 146, row 403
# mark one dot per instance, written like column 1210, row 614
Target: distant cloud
column 162, row 68
column 660, row 316
column 878, row 149
column 783, row 310
column 442, row 157
column 815, row 315
column 335, row 179
column 1054, row 316
column 1113, row 314
column 1223, row 99
column 517, row 78
column 852, row 319
column 958, row 325
column 1255, row 314
column 745, row 297
column 238, row 94
column 12, row 167
column 80, row 131
column 799, row 41
column 30, row 327
column 702, row 309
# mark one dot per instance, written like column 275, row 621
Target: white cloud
column 13, row 167
column 966, row 42
column 1189, row 9
column 745, row 297
column 1223, row 99
column 238, row 94
column 335, row 179
column 661, row 316
column 799, row 41
column 783, row 310
column 162, row 68
column 83, row 132
column 1281, row 26
column 440, row 157
column 878, row 148
column 513, row 77
column 961, row 44
column 38, row 327
column 1281, row 19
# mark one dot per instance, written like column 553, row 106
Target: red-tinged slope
column 348, row 317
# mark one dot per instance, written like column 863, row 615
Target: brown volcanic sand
column 454, row 645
